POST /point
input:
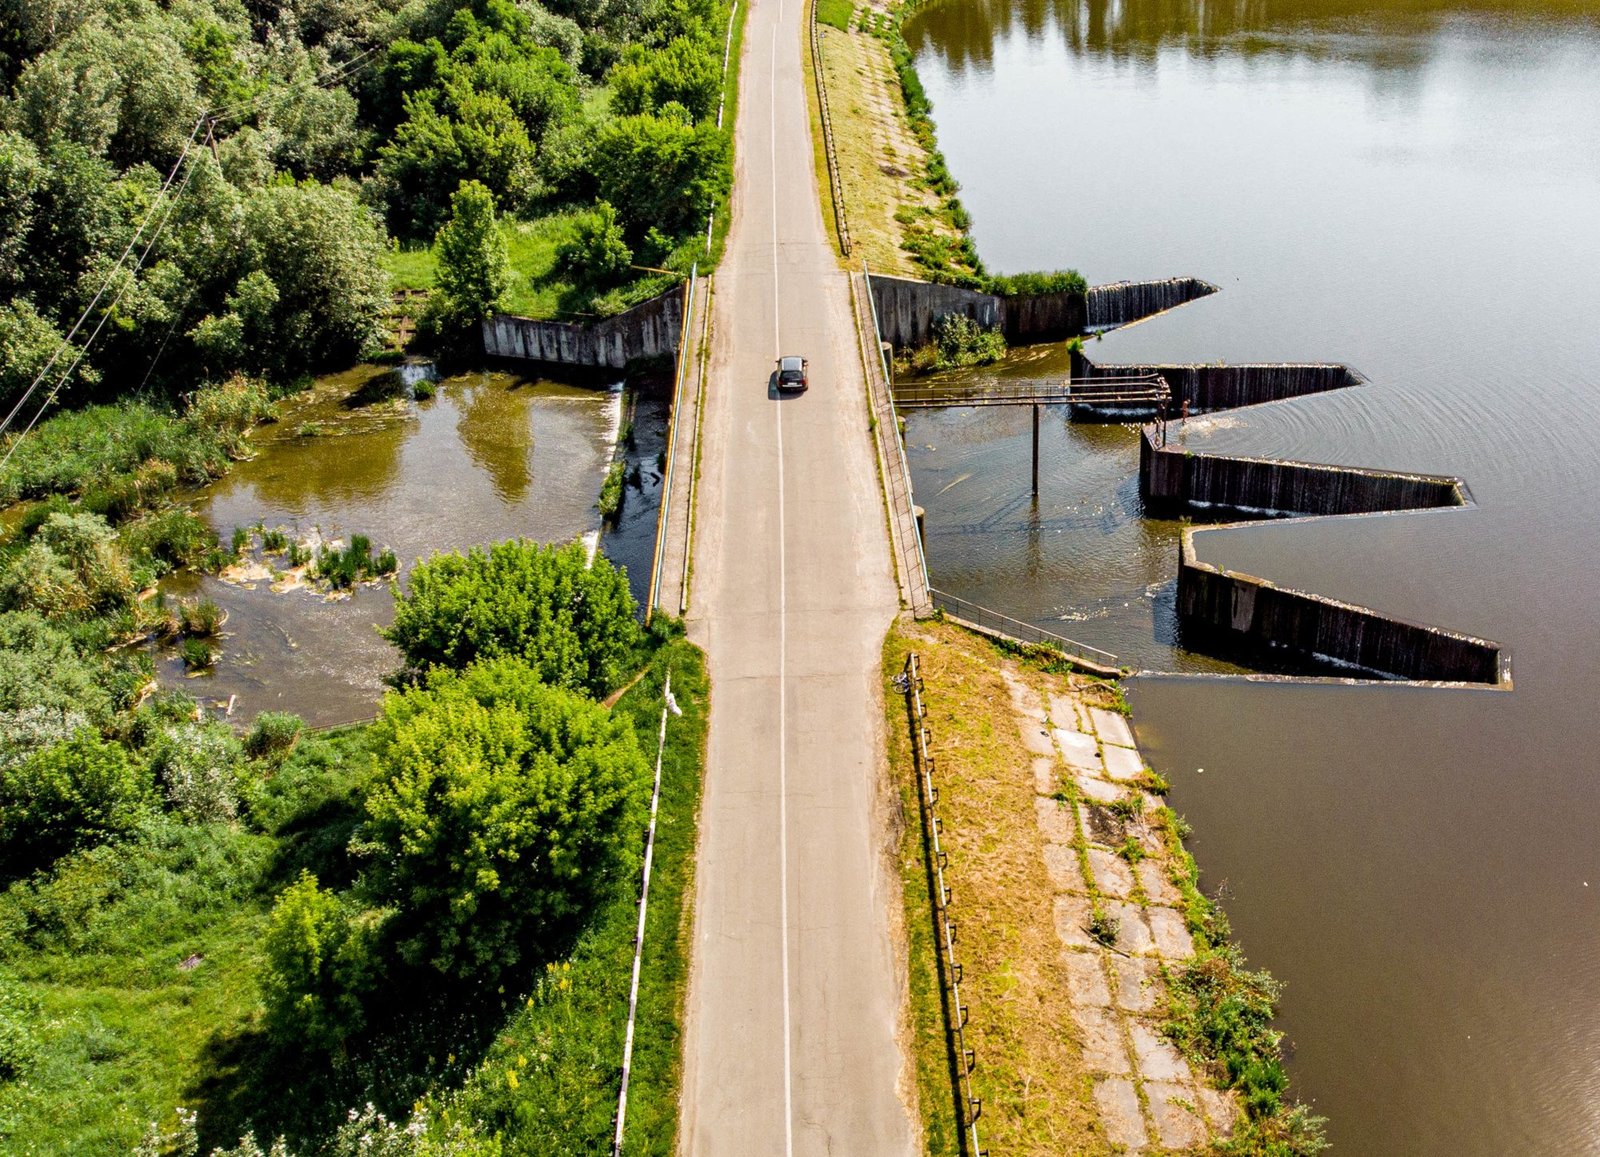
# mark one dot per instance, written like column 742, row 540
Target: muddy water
column 1413, row 190
column 491, row 456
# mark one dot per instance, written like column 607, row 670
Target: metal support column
column 1036, row 449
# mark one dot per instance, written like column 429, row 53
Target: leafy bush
column 572, row 621
column 41, row 667
column 198, row 765
column 19, row 1012
column 197, row 654
column 322, row 961
column 661, row 169
column 597, row 253
column 68, row 796
column 202, row 618
column 474, row 269
column 73, row 566
column 273, row 734
column 1031, row 284
column 508, row 808
column 611, row 491
column 172, row 538
column 686, row 71
column 960, row 341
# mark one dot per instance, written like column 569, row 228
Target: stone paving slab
column 1098, row 790
column 1061, row 864
column 1066, row 711
column 1159, row 1059
column 1123, row 763
column 1133, row 934
column 1157, row 885
column 1045, row 779
column 1036, row 739
column 1111, row 873
column 1072, row 914
column 1111, row 727
column 1171, row 933
column 1139, row 984
column 1175, row 1114
column 1118, row 1102
column 1086, row 980
column 1101, row 1036
column 1081, row 750
column 1056, row 820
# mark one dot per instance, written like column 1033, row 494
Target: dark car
column 792, row 373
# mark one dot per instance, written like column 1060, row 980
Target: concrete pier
column 650, row 329
column 1240, row 614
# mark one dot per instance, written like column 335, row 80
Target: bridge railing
column 1109, row 391
column 995, row 623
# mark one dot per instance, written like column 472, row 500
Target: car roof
column 790, row 363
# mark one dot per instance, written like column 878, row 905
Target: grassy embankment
column 900, row 203
column 137, row 966
column 1036, row 1092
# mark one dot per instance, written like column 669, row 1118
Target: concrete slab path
column 795, row 997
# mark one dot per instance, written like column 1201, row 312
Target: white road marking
column 783, row 622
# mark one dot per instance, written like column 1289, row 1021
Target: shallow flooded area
column 1409, row 189
column 490, row 456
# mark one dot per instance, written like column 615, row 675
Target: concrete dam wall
column 650, row 329
column 1248, row 616
column 1125, row 302
column 1173, row 479
column 907, row 308
column 1227, row 387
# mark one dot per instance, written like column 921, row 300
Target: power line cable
column 110, row 274
column 83, row 351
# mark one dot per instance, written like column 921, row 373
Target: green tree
column 71, row 795
column 574, row 622
column 661, row 170
column 321, row 250
column 685, row 70
column 508, row 808
column 474, row 267
column 597, row 254
column 20, row 174
column 323, row 961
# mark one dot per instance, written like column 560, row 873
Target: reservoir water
column 490, row 456
column 1412, row 189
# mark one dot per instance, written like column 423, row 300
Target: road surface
column 795, row 996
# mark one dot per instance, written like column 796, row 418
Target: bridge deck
column 1144, row 390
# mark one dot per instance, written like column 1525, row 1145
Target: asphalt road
column 796, row 992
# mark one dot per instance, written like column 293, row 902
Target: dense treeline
column 301, row 137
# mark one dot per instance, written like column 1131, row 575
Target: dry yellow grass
column 880, row 161
column 1037, row 1095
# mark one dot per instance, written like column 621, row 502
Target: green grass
column 835, row 13
column 411, row 267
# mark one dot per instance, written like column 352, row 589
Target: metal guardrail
column 672, row 446
column 835, row 181
column 963, row 1059
column 1135, row 390
column 1021, row 632
column 897, row 483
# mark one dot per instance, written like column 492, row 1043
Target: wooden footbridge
column 1135, row 392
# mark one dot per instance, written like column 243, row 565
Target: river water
column 1413, row 190
column 491, row 456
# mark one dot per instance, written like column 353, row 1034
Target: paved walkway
column 795, row 997
column 1146, row 1093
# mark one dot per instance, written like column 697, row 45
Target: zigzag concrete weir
column 1218, row 611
